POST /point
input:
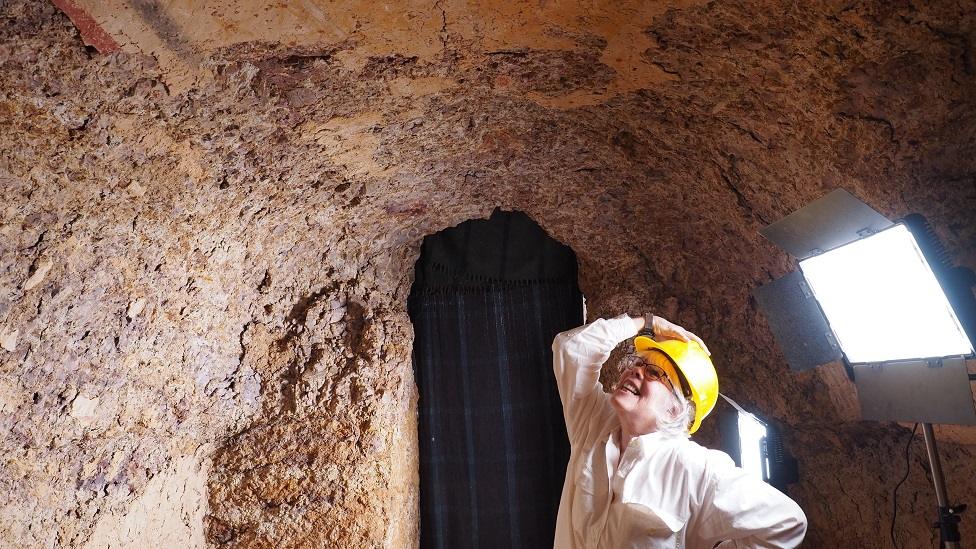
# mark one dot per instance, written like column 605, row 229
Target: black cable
column 908, row 467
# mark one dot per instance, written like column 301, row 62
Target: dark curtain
column 489, row 298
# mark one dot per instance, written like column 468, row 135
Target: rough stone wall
column 202, row 290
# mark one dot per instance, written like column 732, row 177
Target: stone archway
column 488, row 298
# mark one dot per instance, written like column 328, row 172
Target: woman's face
column 643, row 394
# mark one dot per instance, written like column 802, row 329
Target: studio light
column 752, row 440
column 756, row 446
column 883, row 299
column 873, row 291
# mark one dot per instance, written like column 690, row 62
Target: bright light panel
column 883, row 302
column 751, row 433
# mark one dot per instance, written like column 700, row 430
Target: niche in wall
column 488, row 298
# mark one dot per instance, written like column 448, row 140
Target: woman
column 634, row 479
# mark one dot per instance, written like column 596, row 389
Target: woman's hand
column 665, row 329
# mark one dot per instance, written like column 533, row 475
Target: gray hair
column 678, row 426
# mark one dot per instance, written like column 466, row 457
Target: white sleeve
column 742, row 511
column 577, row 356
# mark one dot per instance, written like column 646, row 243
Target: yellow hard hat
column 694, row 371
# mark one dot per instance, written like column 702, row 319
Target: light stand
column 948, row 521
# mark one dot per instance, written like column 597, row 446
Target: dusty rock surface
column 206, row 246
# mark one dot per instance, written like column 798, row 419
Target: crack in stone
column 740, row 197
column 37, row 243
column 666, row 69
column 443, row 33
column 751, row 133
column 240, row 339
column 875, row 120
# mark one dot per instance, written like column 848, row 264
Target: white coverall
column 666, row 492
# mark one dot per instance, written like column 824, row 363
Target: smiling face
column 644, row 396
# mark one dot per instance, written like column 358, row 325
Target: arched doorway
column 488, row 299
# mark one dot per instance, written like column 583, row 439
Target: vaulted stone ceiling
column 210, row 218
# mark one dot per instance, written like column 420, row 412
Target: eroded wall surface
column 207, row 237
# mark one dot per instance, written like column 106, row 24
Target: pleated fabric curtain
column 493, row 446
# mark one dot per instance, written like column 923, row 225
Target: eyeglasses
column 651, row 371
